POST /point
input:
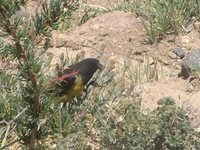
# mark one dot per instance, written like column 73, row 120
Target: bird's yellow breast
column 74, row 91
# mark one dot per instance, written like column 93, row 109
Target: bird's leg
column 94, row 83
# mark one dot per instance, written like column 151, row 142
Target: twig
column 6, row 135
column 20, row 113
column 21, row 56
column 37, row 6
column 95, row 6
column 80, row 116
column 60, row 79
column 9, row 144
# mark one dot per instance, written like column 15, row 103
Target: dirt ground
column 118, row 33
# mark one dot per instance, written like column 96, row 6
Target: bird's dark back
column 86, row 68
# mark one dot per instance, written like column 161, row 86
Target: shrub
column 162, row 17
column 168, row 127
column 25, row 100
column 106, row 117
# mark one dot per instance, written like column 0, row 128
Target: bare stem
column 22, row 58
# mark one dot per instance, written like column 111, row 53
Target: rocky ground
column 119, row 33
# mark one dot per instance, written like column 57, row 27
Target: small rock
column 128, row 31
column 172, row 55
column 196, row 25
column 95, row 27
column 179, row 52
column 129, row 39
column 137, row 52
column 190, row 63
column 72, row 45
column 185, row 39
column 195, row 82
column 171, row 38
column 140, row 59
column 82, row 32
column 94, row 42
column 103, row 34
column 188, row 29
column 178, row 67
column 140, row 51
column 165, row 62
column 151, row 60
column 60, row 42
column 137, row 91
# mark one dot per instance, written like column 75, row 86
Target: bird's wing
column 66, row 81
column 66, row 84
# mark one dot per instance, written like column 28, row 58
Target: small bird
column 75, row 78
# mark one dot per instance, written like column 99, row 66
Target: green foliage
column 166, row 128
column 87, row 15
column 7, row 102
column 25, row 101
column 114, row 120
column 144, row 71
column 162, row 17
column 105, row 117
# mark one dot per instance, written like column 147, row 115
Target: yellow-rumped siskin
column 75, row 77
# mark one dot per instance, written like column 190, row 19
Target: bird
column 75, row 78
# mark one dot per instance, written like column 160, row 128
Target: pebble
column 180, row 52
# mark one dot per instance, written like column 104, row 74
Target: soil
column 119, row 33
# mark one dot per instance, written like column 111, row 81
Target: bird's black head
column 83, row 70
column 88, row 67
column 92, row 63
